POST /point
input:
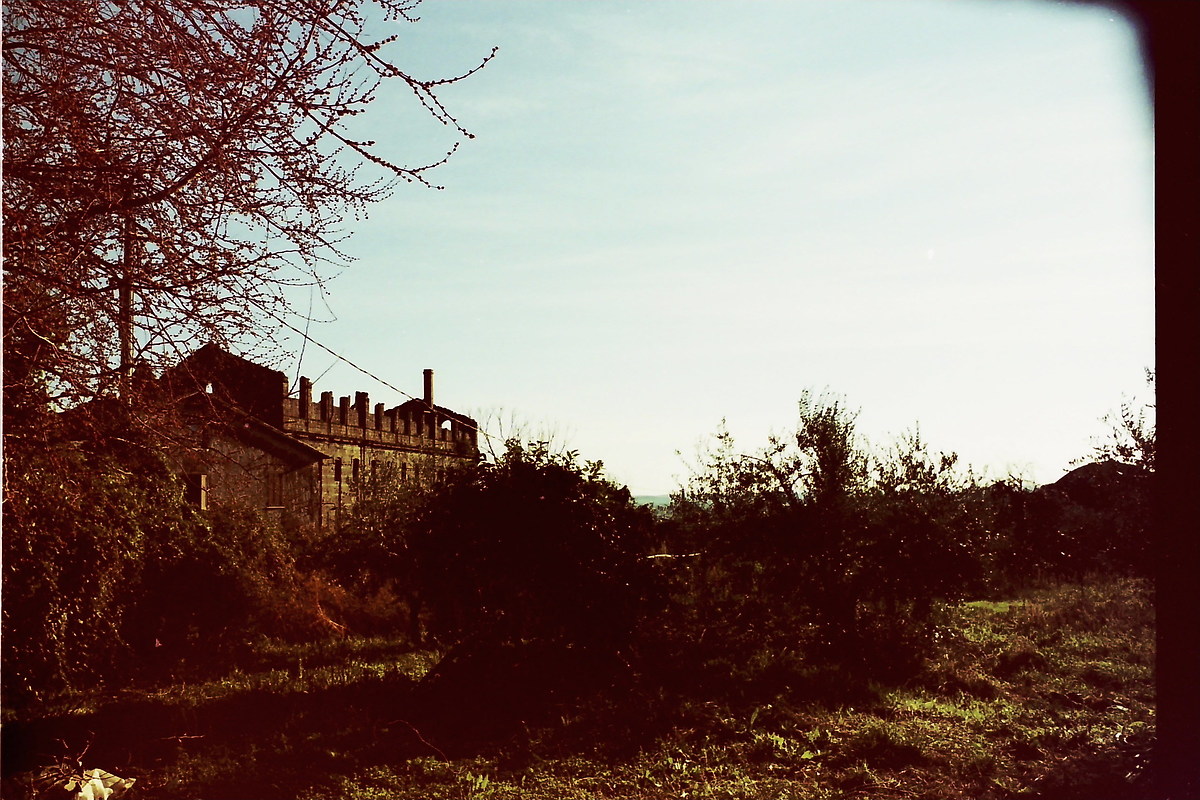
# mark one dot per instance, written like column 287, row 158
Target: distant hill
column 1103, row 484
column 656, row 500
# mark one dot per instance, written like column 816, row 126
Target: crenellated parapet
column 310, row 457
column 416, row 425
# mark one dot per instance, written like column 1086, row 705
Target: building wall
column 237, row 475
column 338, row 480
column 419, row 440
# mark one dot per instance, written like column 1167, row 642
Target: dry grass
column 1048, row 695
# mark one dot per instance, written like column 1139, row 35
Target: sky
column 676, row 213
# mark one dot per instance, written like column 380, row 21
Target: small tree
column 536, row 545
column 786, row 524
column 725, row 506
column 1131, row 438
column 533, row 570
column 372, row 555
column 833, row 465
column 925, row 541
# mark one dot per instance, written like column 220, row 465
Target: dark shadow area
column 292, row 733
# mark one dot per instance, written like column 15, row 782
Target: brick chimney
column 429, row 388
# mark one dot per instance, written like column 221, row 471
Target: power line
column 364, row 370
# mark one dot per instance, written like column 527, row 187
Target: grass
column 1046, row 695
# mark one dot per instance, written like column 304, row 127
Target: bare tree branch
column 221, row 130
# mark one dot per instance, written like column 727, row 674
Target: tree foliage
column 533, row 545
column 107, row 571
column 817, row 529
column 71, row 544
column 198, row 154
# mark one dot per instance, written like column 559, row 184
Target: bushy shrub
column 110, row 575
column 207, row 592
column 535, row 545
column 78, row 527
column 369, row 561
column 926, row 538
column 841, row 544
column 1094, row 519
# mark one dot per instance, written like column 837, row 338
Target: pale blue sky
column 678, row 212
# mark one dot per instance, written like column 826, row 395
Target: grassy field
column 1045, row 695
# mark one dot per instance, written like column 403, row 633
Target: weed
column 476, row 787
column 1021, row 654
column 884, row 745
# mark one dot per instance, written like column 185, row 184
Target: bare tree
column 171, row 167
column 1131, row 435
column 499, row 426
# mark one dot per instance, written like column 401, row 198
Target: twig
column 424, row 741
column 179, row 739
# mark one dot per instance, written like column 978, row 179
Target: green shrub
column 78, row 532
column 368, row 566
column 109, row 575
column 819, row 544
column 536, row 545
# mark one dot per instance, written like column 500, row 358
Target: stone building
column 300, row 459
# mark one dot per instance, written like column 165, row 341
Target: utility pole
column 125, row 297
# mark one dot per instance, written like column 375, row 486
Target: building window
column 403, row 472
column 274, row 489
column 337, row 470
column 195, row 489
column 354, row 471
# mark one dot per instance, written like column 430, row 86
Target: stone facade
column 310, row 458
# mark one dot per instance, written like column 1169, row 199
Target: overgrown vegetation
column 1046, row 694
column 813, row 618
column 111, row 579
column 817, row 617
column 535, row 545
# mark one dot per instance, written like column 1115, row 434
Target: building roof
column 237, row 381
column 417, row 404
column 252, row 431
